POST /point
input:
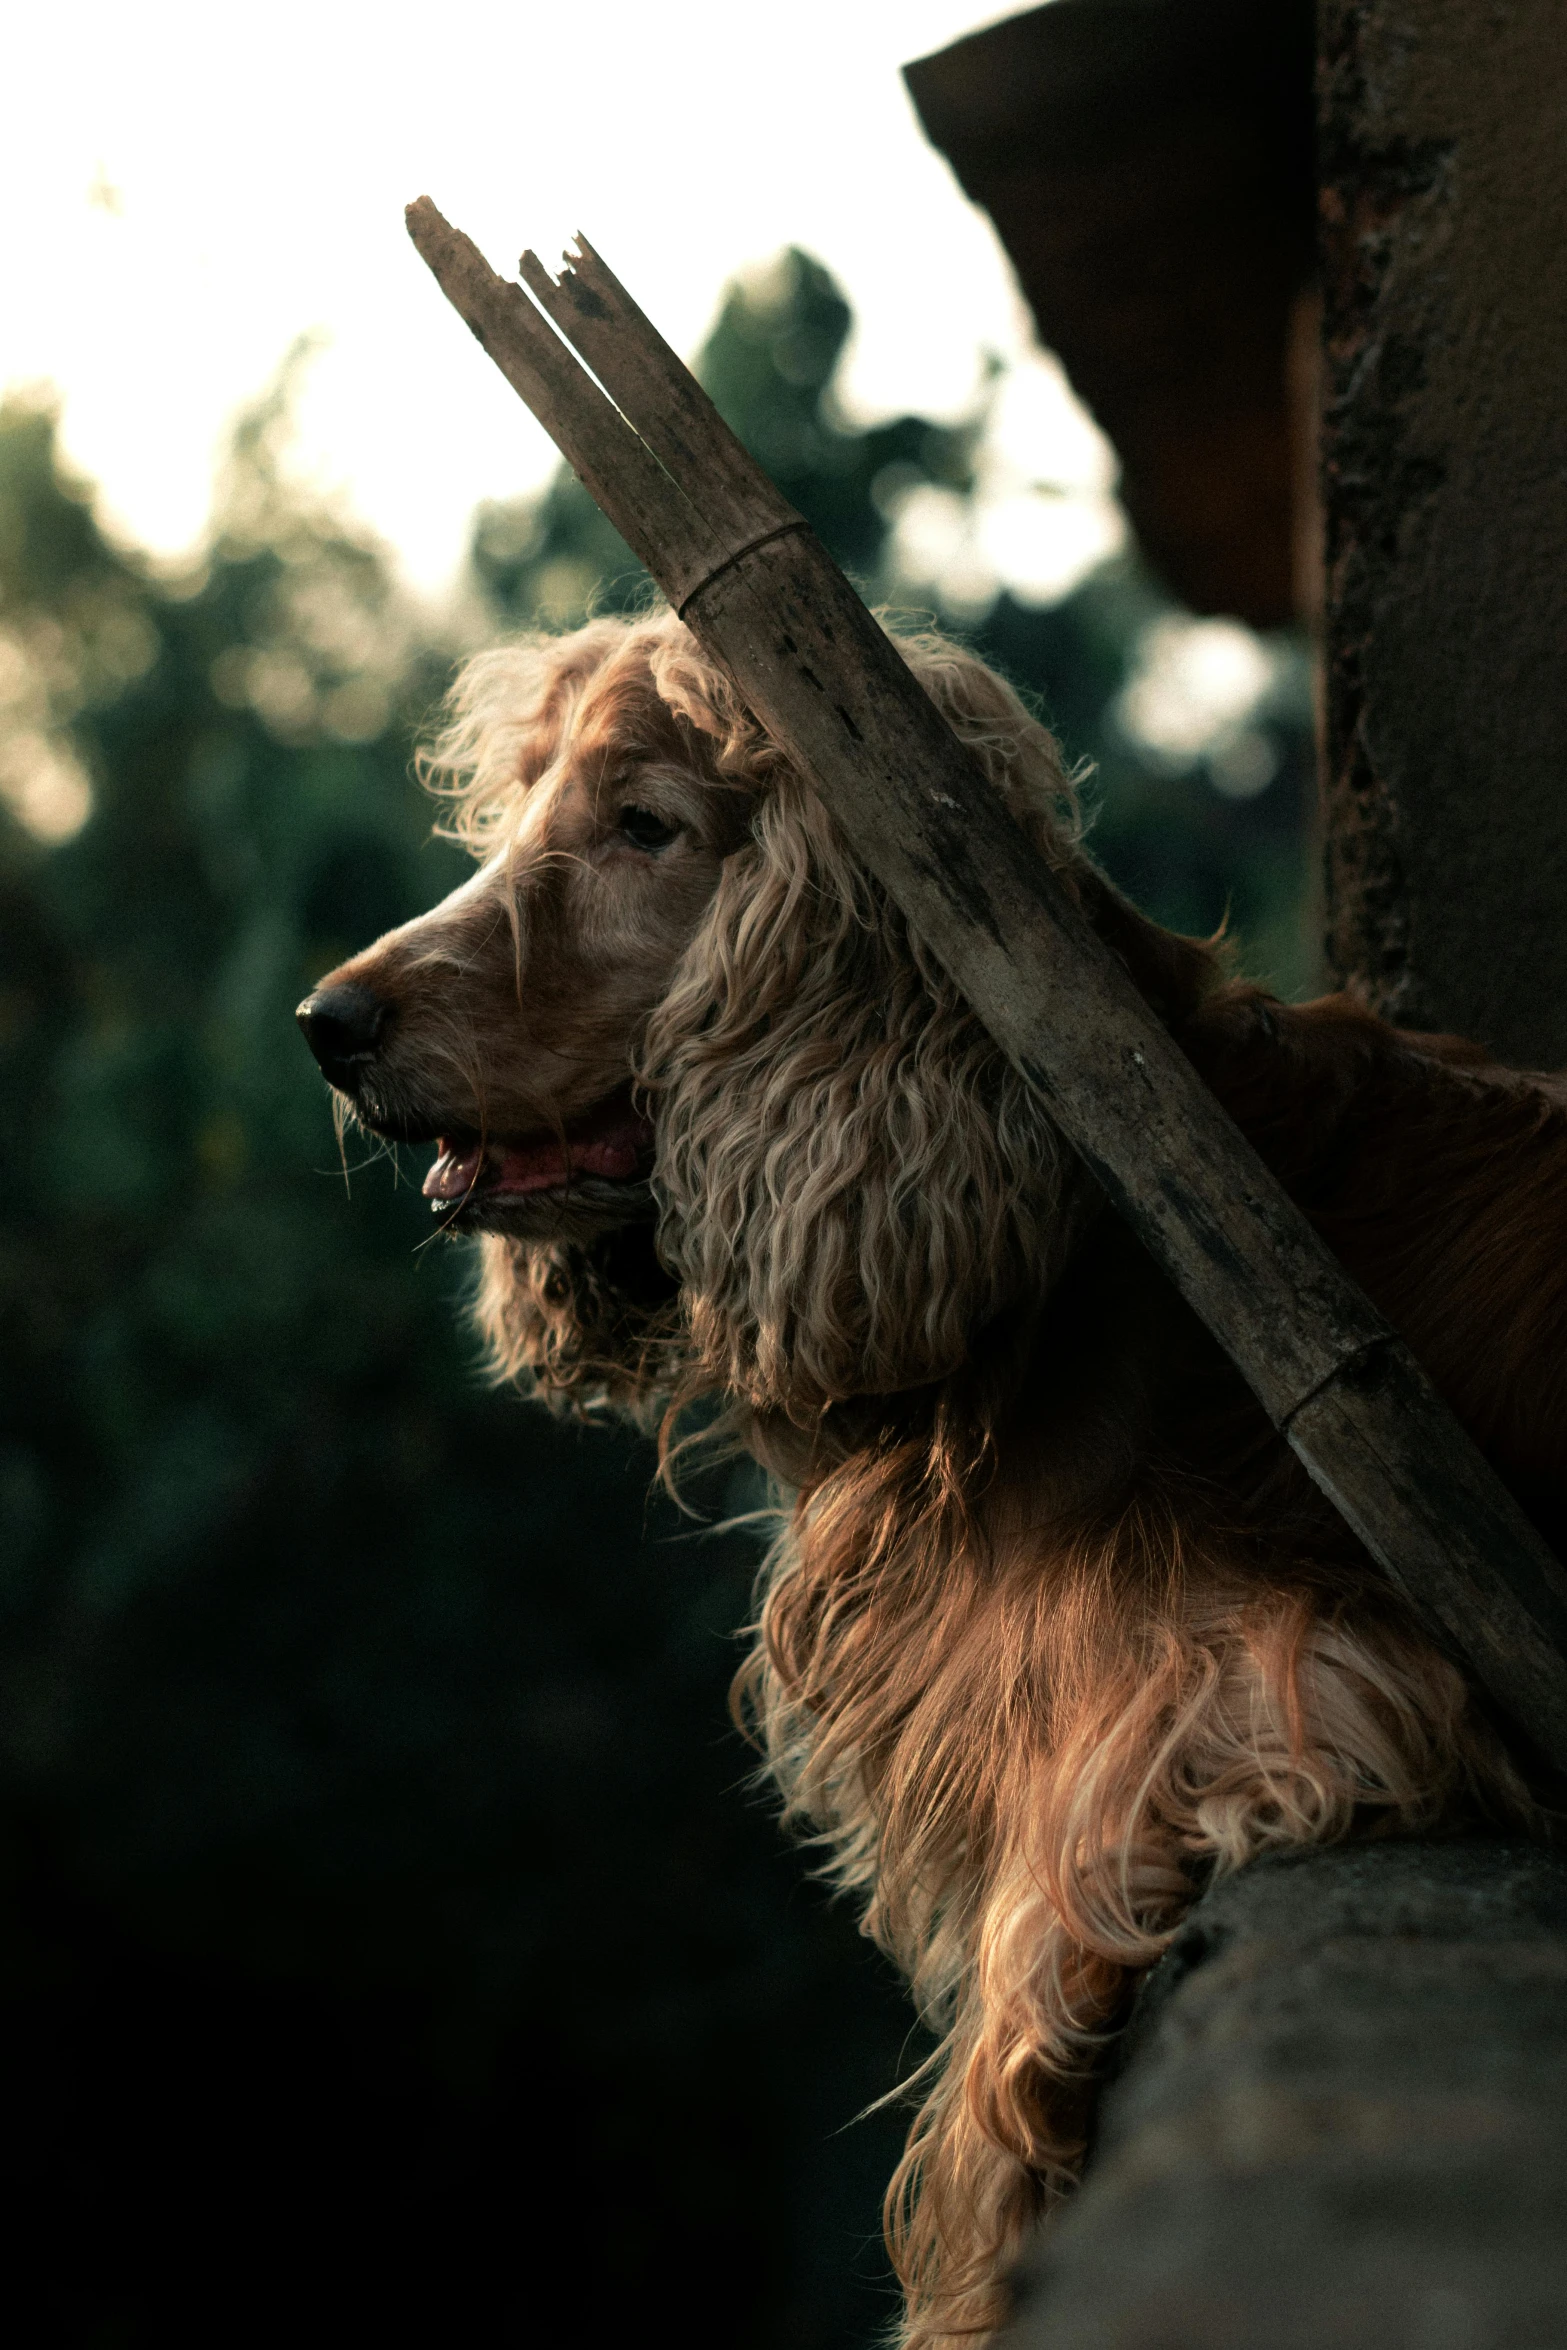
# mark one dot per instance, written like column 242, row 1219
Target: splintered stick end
column 534, row 275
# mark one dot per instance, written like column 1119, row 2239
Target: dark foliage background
column 388, row 1941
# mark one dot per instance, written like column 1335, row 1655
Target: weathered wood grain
column 593, row 310
column 765, row 599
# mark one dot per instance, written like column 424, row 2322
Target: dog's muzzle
column 343, row 1027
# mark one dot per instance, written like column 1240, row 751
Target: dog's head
column 718, row 1117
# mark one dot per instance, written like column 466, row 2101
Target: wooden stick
column 652, row 515
column 671, row 411
column 763, row 597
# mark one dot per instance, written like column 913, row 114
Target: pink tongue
column 454, row 1174
column 541, row 1165
column 611, row 1147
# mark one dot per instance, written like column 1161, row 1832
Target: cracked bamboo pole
column 763, row 597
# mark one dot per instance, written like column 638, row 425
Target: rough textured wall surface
column 1340, row 2122
column 1443, row 160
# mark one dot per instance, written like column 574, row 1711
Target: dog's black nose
column 342, row 1026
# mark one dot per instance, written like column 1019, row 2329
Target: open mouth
column 611, row 1144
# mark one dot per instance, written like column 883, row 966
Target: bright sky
column 191, row 186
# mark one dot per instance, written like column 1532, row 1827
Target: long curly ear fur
column 852, row 1179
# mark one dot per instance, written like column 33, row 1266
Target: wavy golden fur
column 1055, row 1629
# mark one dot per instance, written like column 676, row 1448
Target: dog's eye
column 644, row 830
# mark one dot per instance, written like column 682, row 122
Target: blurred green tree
column 379, row 1905
column 769, row 364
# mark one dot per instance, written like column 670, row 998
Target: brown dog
column 1056, row 1628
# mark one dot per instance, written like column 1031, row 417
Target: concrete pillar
column 1443, row 167
column 1340, row 2121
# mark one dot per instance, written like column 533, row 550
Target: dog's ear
column 852, row 1179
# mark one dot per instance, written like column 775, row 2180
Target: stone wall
column 1340, row 2121
column 1443, row 169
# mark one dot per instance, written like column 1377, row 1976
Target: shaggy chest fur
column 1082, row 1634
